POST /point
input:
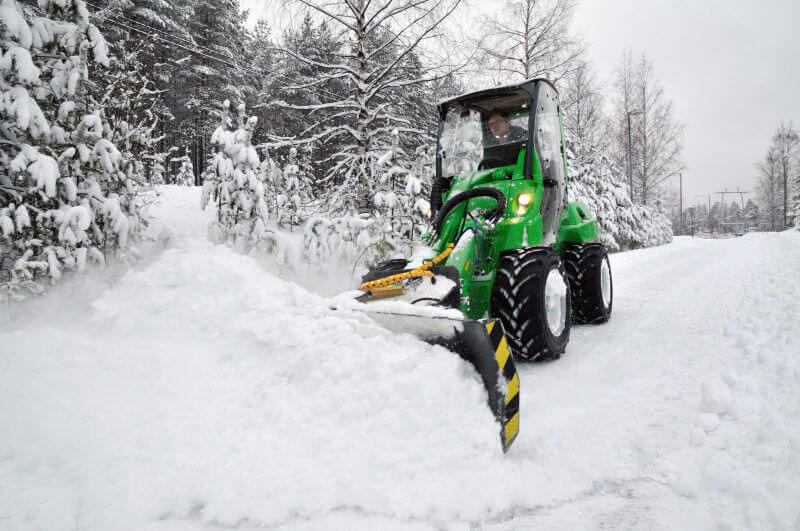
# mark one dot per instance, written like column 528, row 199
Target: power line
column 164, row 32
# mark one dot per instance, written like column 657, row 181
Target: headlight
column 524, row 201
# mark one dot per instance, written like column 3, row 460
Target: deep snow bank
column 203, row 385
column 200, row 391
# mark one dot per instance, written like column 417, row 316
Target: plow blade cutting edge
column 483, row 344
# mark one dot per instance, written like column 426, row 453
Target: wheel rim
column 605, row 282
column 555, row 302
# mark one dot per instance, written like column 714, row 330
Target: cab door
column 548, row 143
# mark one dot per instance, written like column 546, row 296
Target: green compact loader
column 511, row 263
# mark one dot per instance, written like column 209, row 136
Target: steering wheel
column 481, row 191
column 490, row 163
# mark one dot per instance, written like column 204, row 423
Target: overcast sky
column 732, row 68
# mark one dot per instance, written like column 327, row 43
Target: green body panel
column 578, row 225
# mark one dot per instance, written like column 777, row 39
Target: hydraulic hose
column 454, row 201
column 436, row 194
column 422, row 271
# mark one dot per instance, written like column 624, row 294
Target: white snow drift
column 202, row 391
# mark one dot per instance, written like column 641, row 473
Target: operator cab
column 494, row 128
column 484, row 132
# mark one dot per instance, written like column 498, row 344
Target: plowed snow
column 201, row 391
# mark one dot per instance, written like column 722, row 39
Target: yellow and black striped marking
column 509, row 419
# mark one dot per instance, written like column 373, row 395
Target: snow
column 717, row 397
column 15, row 25
column 200, row 391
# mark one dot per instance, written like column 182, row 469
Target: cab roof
column 491, row 93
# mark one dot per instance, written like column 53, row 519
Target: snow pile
column 177, row 396
column 717, row 397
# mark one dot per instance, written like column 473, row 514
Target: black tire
column 584, row 265
column 518, row 300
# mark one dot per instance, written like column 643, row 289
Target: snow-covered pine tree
column 242, row 215
column 735, row 218
column 623, row 225
column 135, row 95
column 794, row 197
column 400, row 197
column 271, row 177
column 65, row 196
column 216, row 25
column 295, row 93
column 751, row 216
column 185, row 175
column 381, row 73
column 293, row 191
column 156, row 168
column 262, row 70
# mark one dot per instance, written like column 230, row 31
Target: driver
column 503, row 142
column 503, row 132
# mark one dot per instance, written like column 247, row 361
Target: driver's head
column 499, row 124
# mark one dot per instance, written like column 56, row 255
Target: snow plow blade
column 483, row 344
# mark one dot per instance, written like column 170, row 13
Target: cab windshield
column 484, row 134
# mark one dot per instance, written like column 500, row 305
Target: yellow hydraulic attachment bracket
column 423, row 271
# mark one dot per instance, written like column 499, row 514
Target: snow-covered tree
column 751, row 215
column 65, row 195
column 599, row 184
column 380, row 70
column 293, row 191
column 234, row 185
column 293, row 97
column 341, row 240
column 271, row 177
column 582, row 102
column 778, row 171
column 525, row 39
column 769, row 190
column 735, row 217
column 185, row 175
column 401, row 197
column 794, row 201
column 215, row 72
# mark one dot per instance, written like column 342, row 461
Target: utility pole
column 630, row 153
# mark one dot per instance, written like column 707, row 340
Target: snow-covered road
column 201, row 391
